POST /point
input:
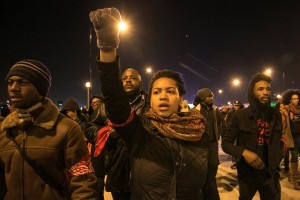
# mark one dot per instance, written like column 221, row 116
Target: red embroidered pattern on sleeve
column 84, row 166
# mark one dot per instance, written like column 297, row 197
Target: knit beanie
column 70, row 104
column 33, row 71
column 203, row 93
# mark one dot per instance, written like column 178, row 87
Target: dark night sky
column 209, row 43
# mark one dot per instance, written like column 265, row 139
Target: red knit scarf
column 189, row 127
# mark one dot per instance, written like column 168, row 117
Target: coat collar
column 44, row 114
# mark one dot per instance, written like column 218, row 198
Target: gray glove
column 106, row 25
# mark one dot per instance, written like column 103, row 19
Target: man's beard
column 263, row 106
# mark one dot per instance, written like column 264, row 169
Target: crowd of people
column 148, row 145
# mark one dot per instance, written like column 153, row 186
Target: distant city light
column 220, row 91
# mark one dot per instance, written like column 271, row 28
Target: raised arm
column 106, row 25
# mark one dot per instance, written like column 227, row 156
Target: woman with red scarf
column 167, row 148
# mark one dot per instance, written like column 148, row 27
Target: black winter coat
column 161, row 167
column 243, row 127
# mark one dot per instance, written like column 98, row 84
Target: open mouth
column 163, row 107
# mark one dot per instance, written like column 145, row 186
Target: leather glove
column 106, row 25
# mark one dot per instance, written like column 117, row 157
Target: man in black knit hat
column 258, row 150
column 43, row 154
column 204, row 103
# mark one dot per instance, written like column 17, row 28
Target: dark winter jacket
column 117, row 158
column 218, row 126
column 244, row 129
column 55, row 144
column 97, row 120
column 161, row 167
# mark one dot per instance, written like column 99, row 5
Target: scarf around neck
column 295, row 109
column 189, row 126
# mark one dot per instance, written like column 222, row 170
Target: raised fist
column 106, row 25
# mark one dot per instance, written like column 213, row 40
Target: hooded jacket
column 244, row 129
column 57, row 146
column 161, row 167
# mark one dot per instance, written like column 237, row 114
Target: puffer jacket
column 161, row 167
column 55, row 144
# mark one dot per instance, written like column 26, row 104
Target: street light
column 88, row 86
column 236, row 82
column 149, row 70
column 122, row 26
column 268, row 72
column 220, row 91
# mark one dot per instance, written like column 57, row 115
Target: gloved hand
column 106, row 25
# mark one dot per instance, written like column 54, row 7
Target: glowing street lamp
column 236, row 82
column 122, row 26
column 88, row 86
column 268, row 72
column 149, row 70
column 220, row 91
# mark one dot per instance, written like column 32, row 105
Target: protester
column 43, row 154
column 287, row 135
column 168, row 156
column 291, row 99
column 72, row 110
column 94, row 103
column 237, row 105
column 223, row 112
column 91, row 129
column 204, row 103
column 117, row 163
column 259, row 150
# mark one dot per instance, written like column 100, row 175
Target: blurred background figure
column 184, row 106
column 97, row 121
column 72, row 110
column 223, row 113
column 287, row 135
column 237, row 105
column 291, row 99
column 94, row 103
